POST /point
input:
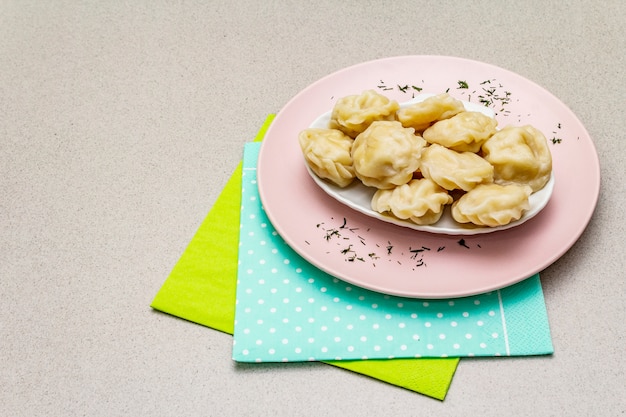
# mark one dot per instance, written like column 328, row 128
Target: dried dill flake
column 415, row 252
column 462, row 243
column 330, row 233
column 405, row 88
column 383, row 87
column 346, row 238
column 491, row 94
column 491, row 97
column 555, row 139
column 345, row 233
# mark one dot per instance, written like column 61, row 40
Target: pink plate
column 400, row 261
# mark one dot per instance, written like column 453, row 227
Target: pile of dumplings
column 428, row 155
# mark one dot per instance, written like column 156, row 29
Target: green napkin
column 202, row 288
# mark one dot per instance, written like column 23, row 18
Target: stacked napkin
column 308, row 315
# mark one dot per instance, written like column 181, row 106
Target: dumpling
column 353, row 114
column 464, row 132
column 492, row 205
column 327, row 152
column 421, row 201
column 454, row 170
column 421, row 115
column 386, row 154
column 520, row 155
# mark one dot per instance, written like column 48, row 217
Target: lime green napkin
column 202, row 288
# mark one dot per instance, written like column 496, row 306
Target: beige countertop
column 120, row 122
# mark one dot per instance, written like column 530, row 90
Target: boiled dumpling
column 386, row 154
column 464, row 132
column 327, row 152
column 520, row 155
column 455, row 170
column 492, row 205
column 353, row 114
column 422, row 114
column 421, row 200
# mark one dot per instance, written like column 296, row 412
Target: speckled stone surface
column 120, row 122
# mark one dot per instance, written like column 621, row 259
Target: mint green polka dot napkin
column 288, row 310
